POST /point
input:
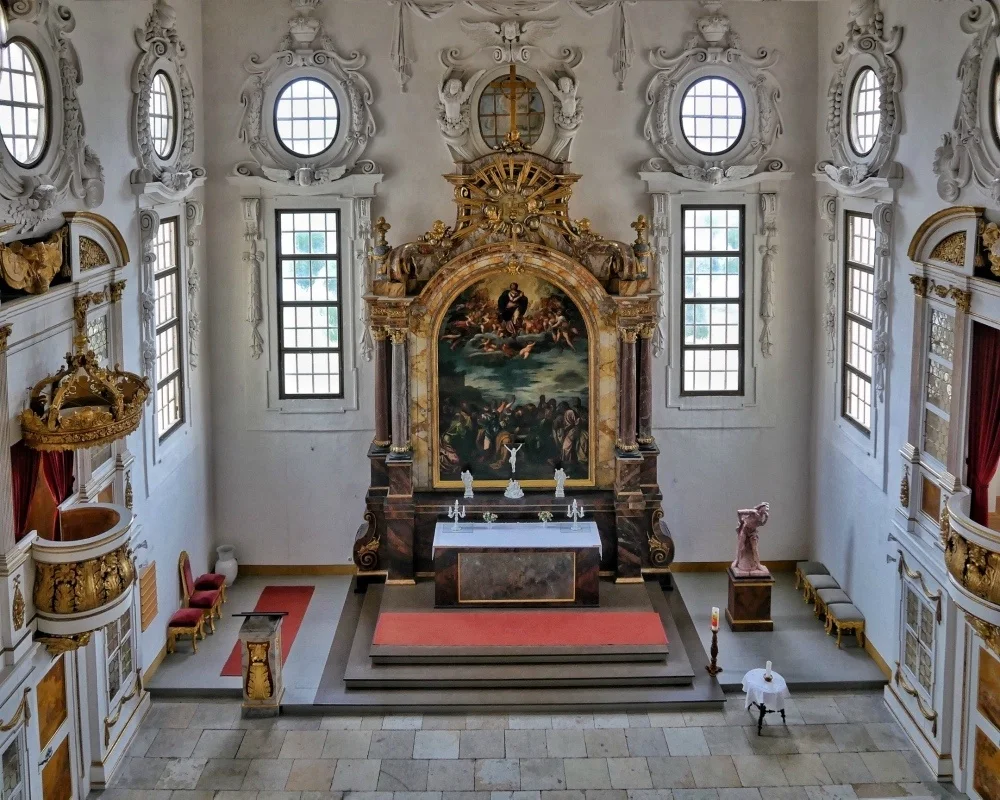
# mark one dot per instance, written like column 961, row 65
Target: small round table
column 768, row 696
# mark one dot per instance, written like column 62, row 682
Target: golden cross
column 515, row 85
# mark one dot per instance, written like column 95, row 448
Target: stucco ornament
column 161, row 51
column 970, row 151
column 69, row 167
column 866, row 46
column 307, row 51
column 713, row 50
column 500, row 44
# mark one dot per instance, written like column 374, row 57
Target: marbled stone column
column 645, row 437
column 400, row 392
column 627, row 390
column 382, row 381
column 7, row 532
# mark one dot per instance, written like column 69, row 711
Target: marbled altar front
column 517, row 564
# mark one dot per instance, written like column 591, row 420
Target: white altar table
column 516, row 563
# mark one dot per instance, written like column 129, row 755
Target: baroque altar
column 517, row 329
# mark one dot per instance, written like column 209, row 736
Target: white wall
column 176, row 516
column 852, row 517
column 297, row 498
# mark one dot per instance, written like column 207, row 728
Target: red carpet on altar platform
column 294, row 600
column 519, row 629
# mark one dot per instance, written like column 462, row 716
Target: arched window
column 494, row 112
column 713, row 115
column 306, row 117
column 866, row 111
column 23, row 103
column 162, row 115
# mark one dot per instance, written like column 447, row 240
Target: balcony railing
column 972, row 552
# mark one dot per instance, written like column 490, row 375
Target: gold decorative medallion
column 951, row 249
column 31, row 268
column 17, row 606
column 259, row 683
column 991, row 240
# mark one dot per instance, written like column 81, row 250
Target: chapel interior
column 499, row 399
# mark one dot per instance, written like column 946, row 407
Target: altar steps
column 465, row 688
column 539, row 655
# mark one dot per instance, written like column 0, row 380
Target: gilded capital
column 5, row 332
column 962, row 298
column 647, row 329
column 380, row 333
column 920, row 285
column 398, row 335
column 629, row 333
column 117, row 289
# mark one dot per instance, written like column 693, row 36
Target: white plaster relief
column 714, row 49
column 661, row 247
column 149, row 226
column 867, row 46
column 882, row 217
column 363, row 242
column 970, row 151
column 306, row 51
column 828, row 213
column 161, row 50
column 194, row 215
column 254, row 257
column 511, row 41
column 28, row 196
column 768, row 221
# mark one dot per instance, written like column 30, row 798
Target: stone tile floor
column 834, row 747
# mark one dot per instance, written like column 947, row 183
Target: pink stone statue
column 747, row 558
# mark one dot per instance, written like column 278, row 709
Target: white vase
column 226, row 563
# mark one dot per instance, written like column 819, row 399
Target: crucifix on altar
column 515, row 87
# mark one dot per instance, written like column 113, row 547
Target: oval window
column 162, row 115
column 713, row 115
column 23, row 103
column 306, row 117
column 995, row 99
column 494, row 112
column 866, row 111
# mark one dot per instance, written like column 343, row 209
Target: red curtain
column 984, row 418
column 24, row 474
column 58, row 471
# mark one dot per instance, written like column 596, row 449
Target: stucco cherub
column 452, row 97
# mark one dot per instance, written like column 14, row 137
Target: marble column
column 7, row 531
column 627, row 390
column 382, row 384
column 400, row 392
column 645, row 437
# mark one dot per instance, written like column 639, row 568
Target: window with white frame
column 712, row 300
column 866, row 111
column 858, row 305
column 169, row 339
column 306, row 117
column 310, row 322
column 12, row 767
column 162, row 113
column 713, row 115
column 118, row 646
column 918, row 640
column 23, row 103
column 937, row 395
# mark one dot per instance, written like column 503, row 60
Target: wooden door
column 54, row 733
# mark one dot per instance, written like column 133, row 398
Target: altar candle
column 767, row 670
column 715, row 619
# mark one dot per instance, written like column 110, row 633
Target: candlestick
column 714, row 668
column 715, row 619
column 767, row 671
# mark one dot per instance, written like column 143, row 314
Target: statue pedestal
column 749, row 606
column 260, row 644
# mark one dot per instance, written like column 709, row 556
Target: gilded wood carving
column 31, row 268
column 74, row 587
column 260, row 685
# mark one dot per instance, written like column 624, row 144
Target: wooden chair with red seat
column 209, row 580
column 208, row 600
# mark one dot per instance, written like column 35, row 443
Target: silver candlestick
column 575, row 513
column 455, row 513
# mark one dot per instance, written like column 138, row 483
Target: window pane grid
column 494, row 112
column 866, row 111
column 858, row 316
column 918, row 647
column 306, row 117
column 169, row 354
column 22, row 103
column 162, row 115
column 309, row 314
column 712, row 301
column 712, row 115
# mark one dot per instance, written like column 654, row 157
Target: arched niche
column 527, row 261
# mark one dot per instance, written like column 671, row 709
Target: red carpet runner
column 294, row 600
column 519, row 628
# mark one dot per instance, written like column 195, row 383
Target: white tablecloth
column 552, row 536
column 771, row 693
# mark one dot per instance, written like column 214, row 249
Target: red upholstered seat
column 205, row 598
column 210, row 580
column 185, row 618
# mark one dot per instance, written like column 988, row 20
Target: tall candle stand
column 714, row 668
